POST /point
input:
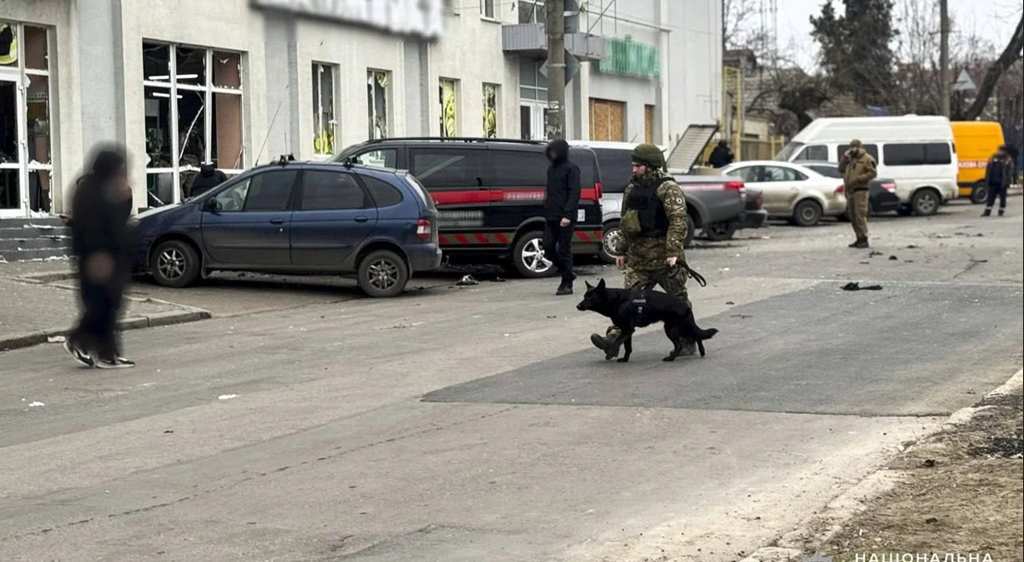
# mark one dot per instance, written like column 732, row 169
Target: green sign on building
column 629, row 58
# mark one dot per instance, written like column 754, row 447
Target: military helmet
column 648, row 155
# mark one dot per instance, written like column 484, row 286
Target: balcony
column 529, row 39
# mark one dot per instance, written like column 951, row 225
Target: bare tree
column 740, row 25
column 1010, row 56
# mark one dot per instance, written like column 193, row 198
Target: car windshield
column 788, row 151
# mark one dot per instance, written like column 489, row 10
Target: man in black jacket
column 209, row 177
column 560, row 212
column 101, row 208
column 998, row 176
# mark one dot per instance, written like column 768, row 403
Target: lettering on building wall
column 629, row 58
column 423, row 18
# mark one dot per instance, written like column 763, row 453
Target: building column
column 282, row 59
column 101, row 68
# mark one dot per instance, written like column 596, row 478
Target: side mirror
column 211, row 205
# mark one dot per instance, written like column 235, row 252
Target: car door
column 756, row 176
column 332, row 216
column 247, row 224
column 782, row 187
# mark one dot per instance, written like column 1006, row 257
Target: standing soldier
column 654, row 227
column 858, row 169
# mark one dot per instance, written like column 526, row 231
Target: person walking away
column 998, row 176
column 721, row 156
column 561, row 206
column 654, row 227
column 858, row 169
column 101, row 208
column 209, row 177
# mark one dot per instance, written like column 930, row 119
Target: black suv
column 490, row 195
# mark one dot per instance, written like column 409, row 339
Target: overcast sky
column 994, row 18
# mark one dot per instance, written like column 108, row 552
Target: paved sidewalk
column 35, row 313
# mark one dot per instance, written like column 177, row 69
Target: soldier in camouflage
column 654, row 226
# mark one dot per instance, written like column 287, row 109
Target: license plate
column 581, row 215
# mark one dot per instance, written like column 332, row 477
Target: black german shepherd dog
column 630, row 309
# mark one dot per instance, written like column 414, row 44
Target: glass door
column 531, row 121
column 13, row 202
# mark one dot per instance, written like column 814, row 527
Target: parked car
column 490, row 195
column 976, row 142
column 792, row 191
column 296, row 218
column 715, row 203
column 883, row 198
column 755, row 215
column 918, row 152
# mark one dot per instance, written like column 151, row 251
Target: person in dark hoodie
column 560, row 212
column 998, row 176
column 101, row 208
column 721, row 156
column 209, row 177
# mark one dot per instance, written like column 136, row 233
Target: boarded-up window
column 607, row 120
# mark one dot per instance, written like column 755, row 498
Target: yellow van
column 976, row 142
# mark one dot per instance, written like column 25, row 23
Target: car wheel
column 612, row 233
column 528, row 256
column 926, row 202
column 691, row 232
column 720, row 231
column 979, row 194
column 175, row 264
column 383, row 274
column 807, row 213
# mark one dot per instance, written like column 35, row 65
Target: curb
column 21, row 341
column 820, row 528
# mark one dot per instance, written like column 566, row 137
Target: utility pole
column 945, row 83
column 555, row 114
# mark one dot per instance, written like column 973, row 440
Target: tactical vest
column 649, row 209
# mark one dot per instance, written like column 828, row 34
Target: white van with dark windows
column 917, row 152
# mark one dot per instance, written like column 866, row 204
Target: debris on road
column 468, row 281
column 36, row 405
column 55, row 339
column 853, row 286
column 227, row 396
column 894, row 258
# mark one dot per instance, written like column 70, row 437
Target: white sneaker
column 115, row 364
column 80, row 357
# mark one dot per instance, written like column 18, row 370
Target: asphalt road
column 468, row 424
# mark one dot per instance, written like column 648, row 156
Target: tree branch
column 1010, row 56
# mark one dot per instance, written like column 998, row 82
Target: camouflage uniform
column 647, row 258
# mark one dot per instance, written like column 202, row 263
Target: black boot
column 1002, row 212
column 565, row 289
column 862, row 244
column 854, row 243
column 987, row 212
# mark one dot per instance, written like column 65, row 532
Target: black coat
column 99, row 215
column 562, row 200
column 721, row 157
column 999, row 173
column 208, row 178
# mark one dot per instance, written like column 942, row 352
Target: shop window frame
column 169, row 83
column 18, row 74
column 331, row 128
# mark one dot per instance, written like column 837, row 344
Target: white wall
column 694, row 63
column 470, row 51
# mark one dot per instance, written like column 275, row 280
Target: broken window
column 378, row 84
column 449, row 108
column 324, row 124
column 491, row 110
column 193, row 111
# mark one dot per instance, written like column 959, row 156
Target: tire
column 175, row 264
column 807, row 213
column 383, row 274
column 904, row 211
column 979, row 195
column 611, row 231
column 528, row 257
column 691, row 232
column 721, row 231
column 926, row 202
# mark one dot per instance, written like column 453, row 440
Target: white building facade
column 241, row 82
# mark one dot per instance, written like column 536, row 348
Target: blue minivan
column 300, row 219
